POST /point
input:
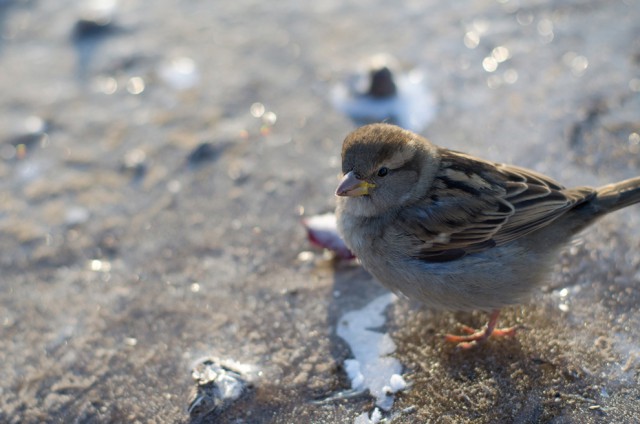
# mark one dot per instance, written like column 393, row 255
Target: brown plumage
column 454, row 231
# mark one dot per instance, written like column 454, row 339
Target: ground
column 155, row 166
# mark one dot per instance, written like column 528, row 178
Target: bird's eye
column 383, row 171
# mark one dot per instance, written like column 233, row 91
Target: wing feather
column 474, row 205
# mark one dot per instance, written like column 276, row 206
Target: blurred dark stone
column 205, row 152
column 92, row 28
column 382, row 83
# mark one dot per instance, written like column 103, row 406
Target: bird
column 454, row 231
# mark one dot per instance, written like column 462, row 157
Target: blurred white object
column 382, row 93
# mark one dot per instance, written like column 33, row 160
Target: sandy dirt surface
column 157, row 158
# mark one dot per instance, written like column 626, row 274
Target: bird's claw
column 475, row 337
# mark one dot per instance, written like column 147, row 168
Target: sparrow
column 454, row 231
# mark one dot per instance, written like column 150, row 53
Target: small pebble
column 76, row 215
column 205, row 152
column 218, row 385
column 180, row 73
column 382, row 83
column 134, row 163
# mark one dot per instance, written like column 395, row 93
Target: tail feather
column 617, row 195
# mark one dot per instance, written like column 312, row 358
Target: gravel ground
column 156, row 161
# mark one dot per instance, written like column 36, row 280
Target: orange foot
column 475, row 337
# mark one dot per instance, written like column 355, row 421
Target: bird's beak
column 352, row 186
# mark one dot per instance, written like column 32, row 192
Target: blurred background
column 157, row 158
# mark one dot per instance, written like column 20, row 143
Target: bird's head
column 385, row 166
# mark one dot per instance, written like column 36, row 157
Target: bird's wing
column 474, row 205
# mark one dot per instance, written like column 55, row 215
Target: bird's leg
column 477, row 336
